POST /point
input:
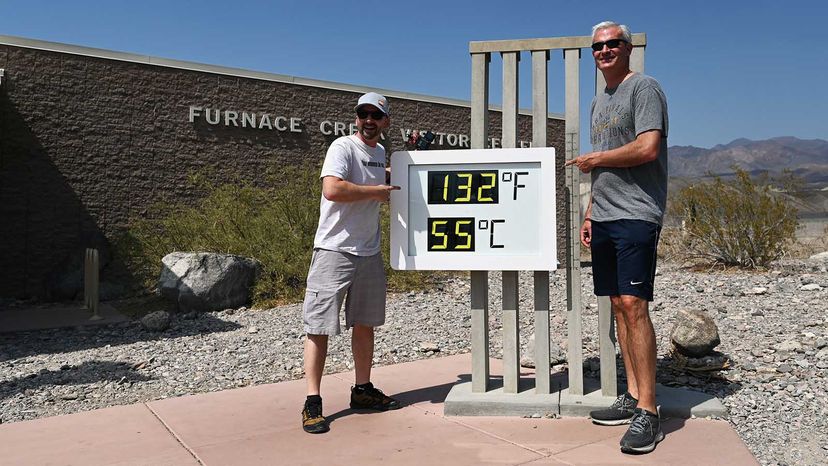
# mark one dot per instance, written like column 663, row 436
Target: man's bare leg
column 640, row 346
column 316, row 350
column 621, row 331
column 362, row 346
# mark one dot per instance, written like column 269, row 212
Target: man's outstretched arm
column 643, row 149
column 338, row 190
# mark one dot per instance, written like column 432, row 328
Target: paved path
column 261, row 426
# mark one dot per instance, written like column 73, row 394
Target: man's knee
column 363, row 331
column 630, row 307
column 317, row 339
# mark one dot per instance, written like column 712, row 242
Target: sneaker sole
column 645, row 448
column 316, row 430
column 375, row 408
column 617, row 422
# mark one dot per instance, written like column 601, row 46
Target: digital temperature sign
column 480, row 209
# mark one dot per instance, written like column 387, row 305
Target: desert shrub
column 738, row 222
column 275, row 225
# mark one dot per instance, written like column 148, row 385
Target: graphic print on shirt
column 610, row 123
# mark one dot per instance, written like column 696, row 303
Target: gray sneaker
column 644, row 432
column 619, row 412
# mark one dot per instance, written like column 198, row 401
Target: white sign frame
column 544, row 258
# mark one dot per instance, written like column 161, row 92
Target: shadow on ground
column 63, row 340
column 85, row 373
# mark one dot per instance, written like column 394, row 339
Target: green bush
column 275, row 225
column 739, row 222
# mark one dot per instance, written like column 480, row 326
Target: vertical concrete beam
column 600, row 82
column 543, row 377
column 637, row 59
column 606, row 348
column 540, row 97
column 510, row 98
column 511, row 323
column 480, row 100
column 575, row 356
column 480, row 331
column 511, row 333
column 540, row 111
column 91, row 282
column 480, row 279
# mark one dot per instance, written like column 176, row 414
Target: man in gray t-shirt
column 628, row 166
column 347, row 265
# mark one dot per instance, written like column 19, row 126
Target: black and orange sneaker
column 313, row 422
column 367, row 397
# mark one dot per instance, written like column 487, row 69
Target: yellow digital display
column 451, row 234
column 463, row 187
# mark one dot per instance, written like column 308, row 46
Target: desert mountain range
column 807, row 158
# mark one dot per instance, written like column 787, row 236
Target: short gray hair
column 625, row 31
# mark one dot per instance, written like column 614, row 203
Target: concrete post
column 606, row 347
column 637, row 59
column 480, row 279
column 91, row 282
column 575, row 357
column 511, row 328
column 540, row 103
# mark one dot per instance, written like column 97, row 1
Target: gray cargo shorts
column 336, row 276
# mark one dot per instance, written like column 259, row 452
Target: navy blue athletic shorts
column 624, row 257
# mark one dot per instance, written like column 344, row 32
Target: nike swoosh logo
column 635, row 283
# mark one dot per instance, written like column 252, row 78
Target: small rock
column 695, row 333
column 557, row 353
column 758, row 290
column 429, row 347
column 784, row 368
column 253, row 329
column 789, row 345
column 822, row 256
column 69, row 396
column 157, row 321
column 757, row 313
column 810, row 287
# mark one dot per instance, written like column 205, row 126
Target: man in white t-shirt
column 347, row 263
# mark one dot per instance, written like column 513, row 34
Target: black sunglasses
column 375, row 115
column 612, row 43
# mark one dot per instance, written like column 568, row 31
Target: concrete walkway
column 261, row 425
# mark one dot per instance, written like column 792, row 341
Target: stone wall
column 87, row 143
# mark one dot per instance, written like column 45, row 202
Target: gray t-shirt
column 619, row 115
column 351, row 227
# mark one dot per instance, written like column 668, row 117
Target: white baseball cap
column 377, row 100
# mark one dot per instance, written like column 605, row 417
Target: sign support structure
column 559, row 395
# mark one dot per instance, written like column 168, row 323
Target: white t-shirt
column 351, row 227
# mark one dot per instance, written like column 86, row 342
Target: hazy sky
column 730, row 69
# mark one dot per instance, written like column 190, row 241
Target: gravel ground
column 774, row 332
